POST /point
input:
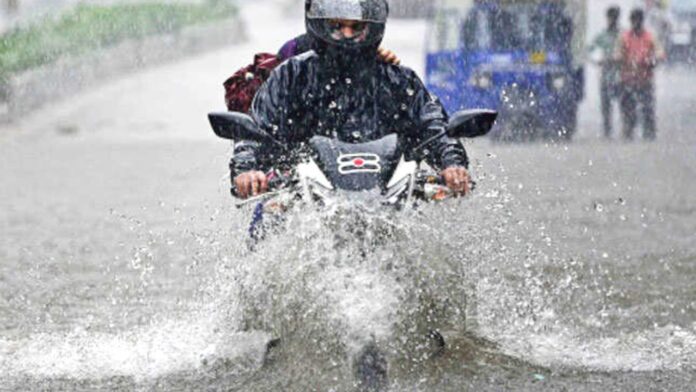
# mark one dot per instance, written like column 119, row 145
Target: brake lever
column 259, row 198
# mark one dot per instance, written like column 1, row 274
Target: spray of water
column 328, row 282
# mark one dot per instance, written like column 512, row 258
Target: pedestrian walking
column 602, row 51
column 638, row 54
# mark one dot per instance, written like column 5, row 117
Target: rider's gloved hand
column 457, row 179
column 251, row 183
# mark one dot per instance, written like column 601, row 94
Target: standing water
column 123, row 264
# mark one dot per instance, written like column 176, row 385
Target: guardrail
column 30, row 90
column 98, row 43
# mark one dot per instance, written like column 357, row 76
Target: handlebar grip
column 274, row 182
column 439, row 180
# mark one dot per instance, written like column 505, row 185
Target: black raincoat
column 354, row 101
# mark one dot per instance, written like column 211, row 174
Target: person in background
column 638, row 53
column 602, row 52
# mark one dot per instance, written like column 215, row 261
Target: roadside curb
column 30, row 90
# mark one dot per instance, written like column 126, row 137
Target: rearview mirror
column 471, row 123
column 238, row 126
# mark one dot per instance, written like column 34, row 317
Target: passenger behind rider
column 342, row 90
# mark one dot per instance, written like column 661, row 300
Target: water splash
column 336, row 278
column 144, row 353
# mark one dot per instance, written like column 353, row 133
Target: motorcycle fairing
column 357, row 166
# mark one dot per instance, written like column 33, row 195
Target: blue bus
column 522, row 58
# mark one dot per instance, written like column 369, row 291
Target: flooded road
column 123, row 265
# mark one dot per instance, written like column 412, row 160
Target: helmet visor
column 361, row 10
column 346, row 33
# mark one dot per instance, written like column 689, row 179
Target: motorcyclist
column 341, row 90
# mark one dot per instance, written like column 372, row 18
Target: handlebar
column 426, row 186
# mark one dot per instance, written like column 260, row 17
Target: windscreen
column 368, row 11
column 517, row 27
column 357, row 166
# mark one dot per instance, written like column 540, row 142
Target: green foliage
column 90, row 27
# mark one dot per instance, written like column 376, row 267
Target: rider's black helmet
column 370, row 15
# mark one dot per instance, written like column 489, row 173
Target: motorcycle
column 330, row 165
column 377, row 173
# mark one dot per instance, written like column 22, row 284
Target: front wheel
column 371, row 369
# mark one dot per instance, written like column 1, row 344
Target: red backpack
column 241, row 87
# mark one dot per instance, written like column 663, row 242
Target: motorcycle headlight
column 559, row 82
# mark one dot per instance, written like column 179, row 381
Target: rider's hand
column 388, row 56
column 251, row 183
column 457, row 179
